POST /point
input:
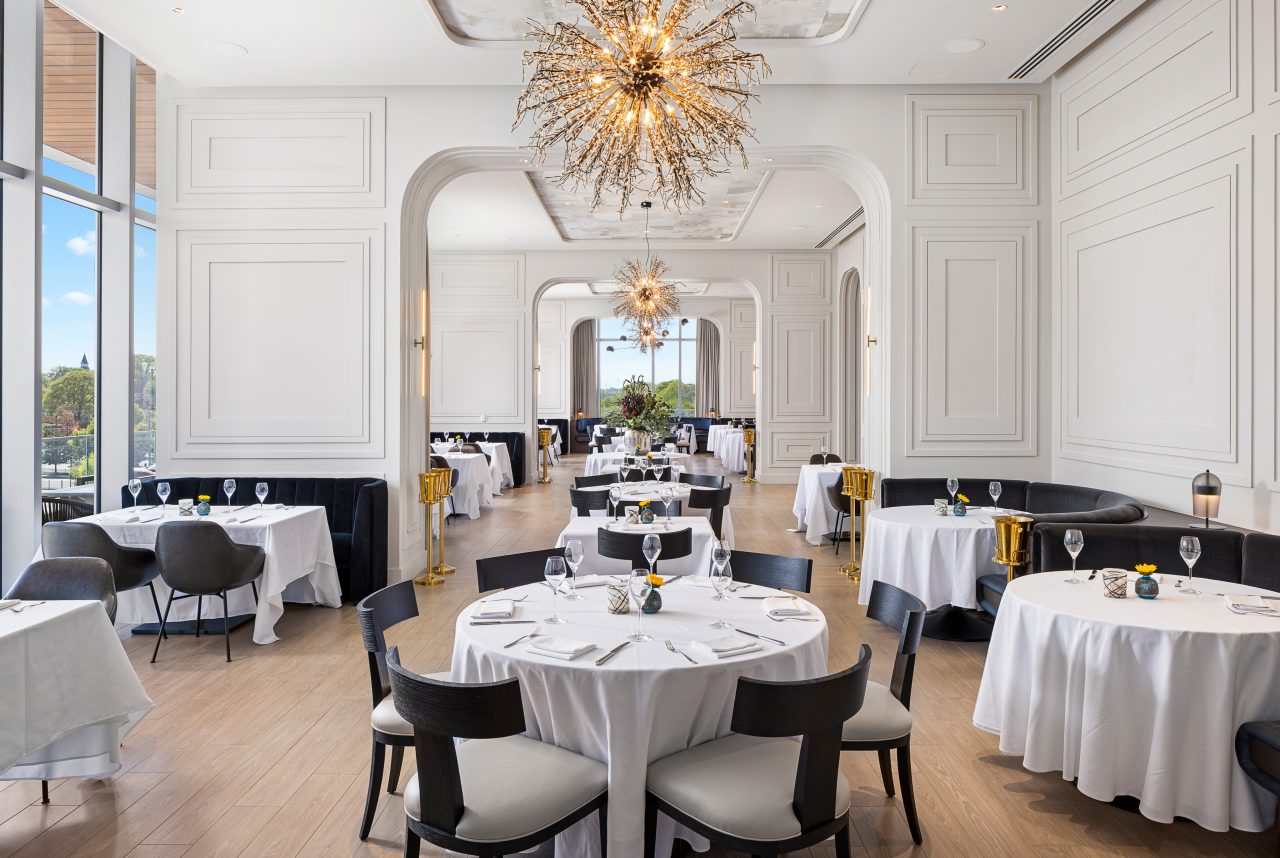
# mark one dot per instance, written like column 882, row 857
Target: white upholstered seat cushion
column 387, row 720
column 738, row 785
column 880, row 719
column 515, row 786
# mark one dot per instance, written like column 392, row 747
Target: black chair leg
column 254, row 585
column 650, row 827
column 835, row 540
column 163, row 620
column 44, row 792
column 886, row 771
column 199, row 611
column 155, row 600
column 371, row 800
column 908, row 793
column 226, row 626
column 842, row 842
column 411, row 843
column 603, row 813
column 393, row 776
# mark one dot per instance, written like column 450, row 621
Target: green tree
column 57, row 451
column 71, row 391
column 670, row 392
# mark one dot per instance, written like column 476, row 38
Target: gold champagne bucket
column 544, row 441
column 749, row 441
column 426, row 495
column 1013, row 542
column 441, row 488
column 860, row 488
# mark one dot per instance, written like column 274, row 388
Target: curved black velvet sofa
column 356, row 508
column 1045, row 502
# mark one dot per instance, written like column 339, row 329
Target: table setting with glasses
column 300, row 564
column 602, row 463
column 612, row 675
column 1133, row 682
column 501, row 473
column 632, row 494
column 586, row 529
column 815, row 516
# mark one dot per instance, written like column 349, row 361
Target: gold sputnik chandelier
column 657, row 96
column 646, row 300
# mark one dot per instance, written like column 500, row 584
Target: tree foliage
column 70, row 391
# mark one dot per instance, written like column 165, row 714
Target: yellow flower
column 655, row 580
column 202, row 497
column 1146, row 568
column 961, row 498
column 644, row 503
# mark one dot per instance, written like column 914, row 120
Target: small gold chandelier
column 646, row 300
column 657, row 95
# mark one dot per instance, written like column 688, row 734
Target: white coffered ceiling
column 409, row 42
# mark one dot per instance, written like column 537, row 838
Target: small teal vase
column 653, row 604
column 1146, row 587
column 202, row 508
column 959, row 509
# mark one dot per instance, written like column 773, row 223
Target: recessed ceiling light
column 999, row 7
column 768, row 160
column 963, row 46
column 225, row 49
column 817, row 205
column 177, row 10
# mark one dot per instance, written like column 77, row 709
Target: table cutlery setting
column 672, row 648
column 600, row 662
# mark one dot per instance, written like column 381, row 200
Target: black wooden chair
column 519, row 792
column 378, row 612
column 660, row 509
column 825, row 459
column 630, row 546
column 513, row 570
column 595, row 480
column 843, row 505
column 585, row 501
column 758, row 790
column 132, row 567
column 772, row 570
column 884, row 724
column 705, row 481
column 1258, row 752
column 715, row 501
column 198, row 559
column 63, row 509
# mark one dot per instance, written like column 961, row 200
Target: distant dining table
column 300, row 564
column 475, row 487
column 731, row 450
column 501, row 474
column 644, row 703
column 815, row 516
column 715, row 436
column 603, row 463
column 70, row 695
column 633, row 493
column 1135, row 697
column 586, row 529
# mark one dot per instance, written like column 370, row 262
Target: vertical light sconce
column 1206, row 498
column 755, row 366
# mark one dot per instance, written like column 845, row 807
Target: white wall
column 1166, row 149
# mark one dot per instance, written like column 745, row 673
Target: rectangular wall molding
column 792, row 449
column 469, row 277
column 973, row 149
column 476, row 367
column 742, row 400
column 552, row 398
column 742, row 318
column 280, row 153
column 800, row 374
column 801, row 279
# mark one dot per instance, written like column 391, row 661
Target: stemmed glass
column 229, row 487
column 486, row 437
column 953, row 486
column 625, row 469
column 658, row 471
column 994, row 489
column 1073, row 541
column 162, row 492
column 615, row 495
column 652, row 549
column 573, row 556
column 640, row 586
column 554, row 571
column 823, row 451
column 676, row 471
column 1189, row 548
column 668, row 498
column 721, row 578
column 135, row 488
column 261, row 490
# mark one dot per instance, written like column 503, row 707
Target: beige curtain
column 584, row 368
column 708, row 370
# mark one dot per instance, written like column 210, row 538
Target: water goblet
column 625, row 468
column 953, row 486
column 640, row 586
column 658, row 471
column 554, row 571
column 135, row 488
column 1073, row 541
column 615, row 495
column 994, row 489
column 1189, row 548
column 229, row 487
column 162, row 492
column 668, row 498
column 721, row 579
column 261, row 490
column 573, row 556
column 652, row 549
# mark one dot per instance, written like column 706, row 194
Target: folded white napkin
column 8, row 603
column 725, row 646
column 781, row 606
column 591, row 580
column 1247, row 603
column 494, row 609
column 129, row 519
column 564, row 649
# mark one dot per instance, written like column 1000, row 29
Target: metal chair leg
column 226, row 626
column 154, row 599
column 199, row 603
column 163, row 620
column 44, row 792
column 254, row 585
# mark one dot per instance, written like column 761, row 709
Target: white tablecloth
column 936, row 558
column 814, row 513
column 644, row 704
column 635, row 492
column 300, row 564
column 69, row 694
column 1134, row 697
column 715, row 434
column 602, row 463
column 732, row 451
column 501, row 475
column 697, row 563
column 475, row 486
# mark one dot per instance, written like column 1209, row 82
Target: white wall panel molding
column 975, row 352
column 306, row 300
column 280, row 153
column 798, row 367
column 470, row 277
column 1268, row 29
column 1155, row 311
column 551, row 317
column 742, row 318
column 973, row 149
column 791, row 449
column 1187, row 72
column 476, row 367
column 741, row 399
column 553, row 399
column 801, row 278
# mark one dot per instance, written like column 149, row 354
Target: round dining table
column 633, row 493
column 1134, row 697
column 644, row 703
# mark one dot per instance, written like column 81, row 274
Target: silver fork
column 527, row 637
column 18, row 609
column 796, row 619
column 672, row 647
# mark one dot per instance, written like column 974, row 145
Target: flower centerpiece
column 962, row 505
column 202, row 507
column 646, row 513
column 653, row 603
column 1146, row 587
column 641, row 413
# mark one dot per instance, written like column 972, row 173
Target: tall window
column 142, row 449
column 672, row 368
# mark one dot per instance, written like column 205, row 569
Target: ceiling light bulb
column 999, row 7
column 177, row 10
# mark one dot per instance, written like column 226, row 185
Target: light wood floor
column 267, row 756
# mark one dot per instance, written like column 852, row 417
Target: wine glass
column 953, row 486
column 625, row 468
column 554, row 571
column 261, row 490
column 1073, row 541
column 721, row 579
column 823, row 451
column 573, row 556
column 658, row 471
column 676, row 471
column 162, row 492
column 486, row 437
column 652, row 549
column 615, row 495
column 135, row 488
column 668, row 498
column 994, row 489
column 229, row 488
column 1189, row 548
column 640, row 586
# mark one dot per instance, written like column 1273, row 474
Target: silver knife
column 250, row 518
column 611, row 653
column 761, row 637
column 500, row 622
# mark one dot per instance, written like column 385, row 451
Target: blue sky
column 622, row 363
column 69, row 239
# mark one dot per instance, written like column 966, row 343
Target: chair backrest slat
column 584, row 501
column 706, row 481
column 900, row 610
column 772, row 570
column 378, row 612
column 594, row 480
column 630, row 546
column 513, row 570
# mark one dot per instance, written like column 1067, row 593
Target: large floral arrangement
column 639, row 410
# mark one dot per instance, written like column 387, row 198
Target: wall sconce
column 755, row 365
column 1206, row 498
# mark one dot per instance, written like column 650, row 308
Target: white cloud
column 81, row 298
column 139, row 252
column 44, row 302
column 83, row 245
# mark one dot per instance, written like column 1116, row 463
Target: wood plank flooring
column 267, row 756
